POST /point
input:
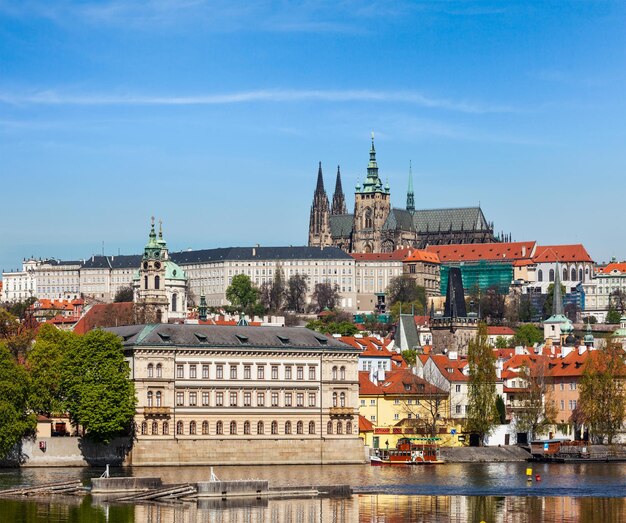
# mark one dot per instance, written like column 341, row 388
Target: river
column 494, row 492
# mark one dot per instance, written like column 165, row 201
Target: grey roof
column 130, row 261
column 187, row 335
column 466, row 218
column 407, row 325
column 399, row 219
column 258, row 253
column 341, row 225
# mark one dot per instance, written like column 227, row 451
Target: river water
column 494, row 492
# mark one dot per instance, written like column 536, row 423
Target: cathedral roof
column 341, row 225
column 466, row 218
column 399, row 220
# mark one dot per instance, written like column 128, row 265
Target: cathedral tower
column 371, row 208
column 319, row 222
column 339, row 200
column 410, row 195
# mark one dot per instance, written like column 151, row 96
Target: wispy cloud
column 271, row 95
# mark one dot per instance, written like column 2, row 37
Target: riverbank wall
column 483, row 454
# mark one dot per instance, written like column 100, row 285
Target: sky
column 213, row 116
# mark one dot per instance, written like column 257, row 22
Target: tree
column 501, row 408
column 602, row 399
column 409, row 356
column 124, row 294
column 492, row 305
column 618, row 300
column 16, row 420
column 547, row 304
column 503, row 342
column 414, row 307
column 344, row 328
column 95, row 382
column 16, row 334
column 526, row 309
column 277, row 293
column 482, row 414
column 45, row 365
column 404, row 289
column 326, row 296
column 613, row 316
column 527, row 335
column 242, row 294
column 537, row 411
column 427, row 409
column 297, row 288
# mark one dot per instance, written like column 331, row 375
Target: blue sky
column 213, row 116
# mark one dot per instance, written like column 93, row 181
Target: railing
column 341, row 411
column 156, row 411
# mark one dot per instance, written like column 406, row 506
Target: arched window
column 260, row 429
column 274, row 427
column 539, row 275
column 159, row 370
column 157, row 282
column 551, row 274
column 179, row 428
column 573, row 274
column 334, row 373
column 158, row 398
column 155, row 428
column 246, row 428
column 219, row 428
column 233, row 428
column 580, row 274
column 150, row 370
column 288, row 427
column 174, row 302
column 368, row 218
column 145, row 282
column 339, row 427
column 334, row 399
column 342, row 373
column 329, row 427
column 342, row 399
column 311, row 427
column 144, row 428
column 192, row 428
column 205, row 428
column 349, row 427
column 299, row 428
column 166, row 428
column 150, row 398
column 565, row 274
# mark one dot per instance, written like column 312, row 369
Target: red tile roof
column 369, row 346
column 397, row 255
column 619, row 267
column 452, row 370
column 396, row 383
column 422, row 256
column 106, row 315
column 500, row 331
column 365, row 425
column 483, row 251
column 561, row 253
column 422, row 321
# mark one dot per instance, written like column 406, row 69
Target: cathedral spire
column 320, row 180
column 339, row 200
column 410, row 195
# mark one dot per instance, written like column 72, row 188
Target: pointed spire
column 557, row 297
column 320, row 180
column 410, row 195
column 339, row 200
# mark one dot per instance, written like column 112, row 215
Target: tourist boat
column 409, row 451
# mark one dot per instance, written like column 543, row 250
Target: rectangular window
column 287, row 373
column 562, row 404
column 274, row 399
column 219, row 372
column 396, row 402
column 219, row 399
column 247, row 399
column 180, row 398
column 372, row 418
column 233, row 372
column 260, row 399
column 260, row 373
column 311, row 399
column 288, row 399
column 562, row 386
column 274, row 372
column 180, row 371
column 363, row 402
column 396, row 416
column 233, row 399
column 205, row 399
column 300, row 399
column 311, row 373
column 205, row 372
column 246, row 372
column 193, row 398
column 458, row 388
column 192, row 372
column 300, row 373
column 372, row 402
column 572, row 385
column 458, row 409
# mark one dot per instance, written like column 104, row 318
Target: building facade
column 215, row 395
column 606, row 288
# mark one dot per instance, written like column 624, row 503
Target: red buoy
column 537, row 477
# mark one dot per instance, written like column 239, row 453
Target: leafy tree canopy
column 124, row 294
column 242, row 293
column 527, row 335
column 409, row 356
column 404, row 289
column 345, row 328
column 326, row 296
column 613, row 316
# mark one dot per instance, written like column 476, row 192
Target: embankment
column 483, row 454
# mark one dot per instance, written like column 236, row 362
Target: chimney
column 523, row 251
column 453, row 355
column 253, row 251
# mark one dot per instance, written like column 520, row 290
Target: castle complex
column 377, row 227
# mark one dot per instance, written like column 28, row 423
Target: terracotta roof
column 398, row 361
column 423, row 256
column 572, row 365
column 365, row 425
column 483, row 251
column 422, row 321
column 369, row 346
column 562, row 253
column 105, row 315
column 452, row 370
column 396, row 383
column 397, row 255
column 504, row 353
column 619, row 267
column 500, row 331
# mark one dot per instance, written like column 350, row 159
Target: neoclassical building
column 210, row 394
column 376, row 226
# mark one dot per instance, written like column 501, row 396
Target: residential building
column 209, row 394
column 605, row 288
column 450, row 373
column 424, row 268
column 496, row 331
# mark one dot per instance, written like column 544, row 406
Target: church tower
column 371, row 208
column 339, row 200
column 319, row 222
column 410, row 195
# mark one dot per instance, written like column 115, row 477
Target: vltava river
column 495, row 492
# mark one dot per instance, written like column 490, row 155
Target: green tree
column 409, row 356
column 503, row 342
column 344, row 328
column 602, row 399
column 613, row 316
column 124, row 294
column 326, row 296
column 242, row 293
column 95, row 382
column 482, row 413
column 527, row 335
column 297, row 287
column 16, row 420
column 16, row 334
column 277, row 293
column 45, row 365
column 501, row 408
column 404, row 289
column 416, row 307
